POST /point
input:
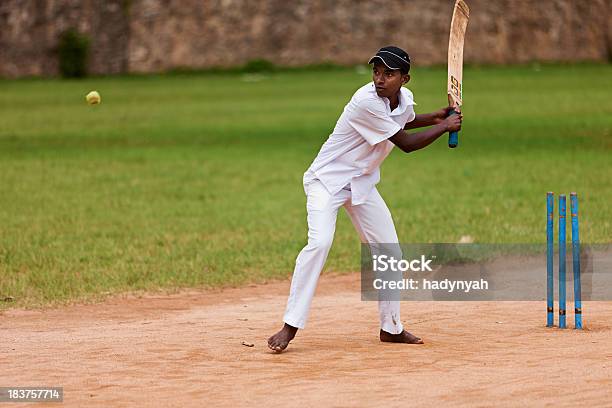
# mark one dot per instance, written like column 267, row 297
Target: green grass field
column 195, row 180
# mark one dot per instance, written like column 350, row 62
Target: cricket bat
column 461, row 15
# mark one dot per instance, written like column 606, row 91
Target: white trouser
column 374, row 224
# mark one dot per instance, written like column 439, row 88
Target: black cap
column 393, row 58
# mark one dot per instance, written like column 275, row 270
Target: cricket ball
column 93, row 98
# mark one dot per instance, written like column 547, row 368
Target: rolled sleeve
column 372, row 122
column 411, row 115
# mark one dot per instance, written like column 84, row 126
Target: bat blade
column 461, row 15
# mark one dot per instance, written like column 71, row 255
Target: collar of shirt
column 404, row 94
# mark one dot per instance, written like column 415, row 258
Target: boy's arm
column 428, row 119
column 415, row 141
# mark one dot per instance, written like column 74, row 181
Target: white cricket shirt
column 358, row 145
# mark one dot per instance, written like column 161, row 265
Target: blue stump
column 550, row 306
column 576, row 262
column 562, row 243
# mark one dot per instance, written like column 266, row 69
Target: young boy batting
column 345, row 173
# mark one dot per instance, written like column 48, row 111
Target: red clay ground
column 185, row 350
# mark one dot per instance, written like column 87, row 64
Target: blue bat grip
column 453, row 137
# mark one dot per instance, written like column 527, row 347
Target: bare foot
column 280, row 340
column 403, row 337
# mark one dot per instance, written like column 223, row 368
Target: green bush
column 259, row 65
column 73, row 50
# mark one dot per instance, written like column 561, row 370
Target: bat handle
column 453, row 137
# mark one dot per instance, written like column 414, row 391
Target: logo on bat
column 456, row 87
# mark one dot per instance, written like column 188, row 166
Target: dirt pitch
column 186, row 350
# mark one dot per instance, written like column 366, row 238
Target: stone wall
column 30, row 29
column 158, row 35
